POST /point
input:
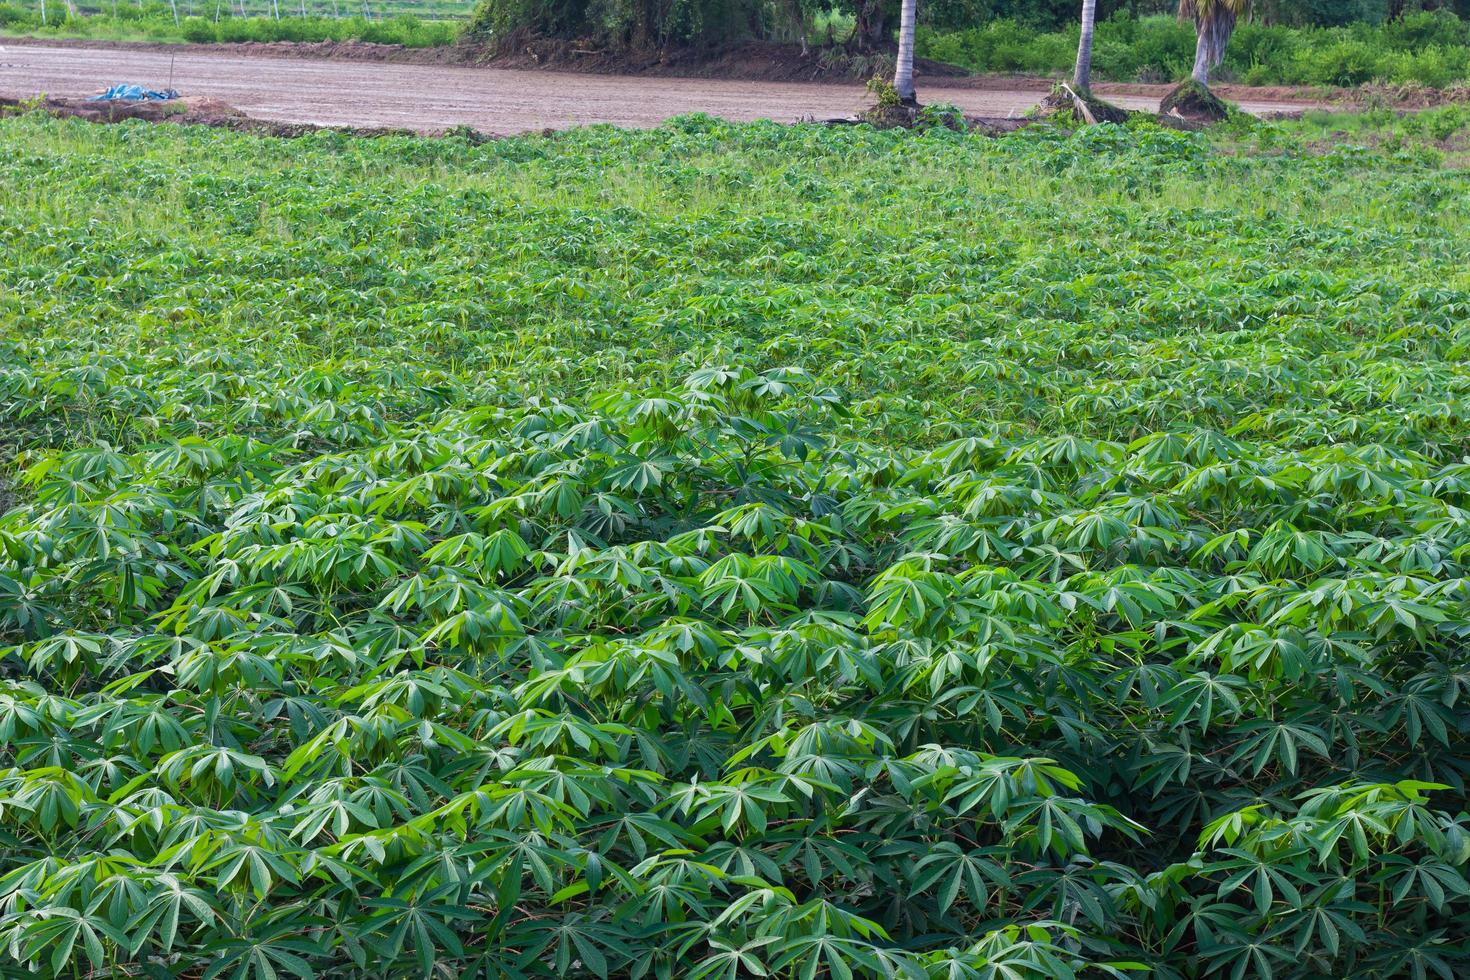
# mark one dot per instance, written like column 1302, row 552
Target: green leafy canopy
column 731, row 551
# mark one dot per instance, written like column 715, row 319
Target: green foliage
column 882, row 89
column 622, row 23
column 1303, row 42
column 942, row 115
column 1427, row 48
column 1431, row 136
column 731, row 551
column 1024, row 31
column 156, row 22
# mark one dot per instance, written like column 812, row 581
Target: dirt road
column 434, row 97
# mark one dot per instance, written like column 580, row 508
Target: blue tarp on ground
column 134, row 93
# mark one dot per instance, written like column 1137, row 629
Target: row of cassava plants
column 600, row 556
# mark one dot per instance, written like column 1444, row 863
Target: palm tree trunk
column 1202, row 58
column 1082, row 75
column 1214, row 22
column 903, row 74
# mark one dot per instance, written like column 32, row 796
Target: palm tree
column 1082, row 75
column 1214, row 22
column 903, row 72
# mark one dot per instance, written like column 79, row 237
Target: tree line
column 862, row 24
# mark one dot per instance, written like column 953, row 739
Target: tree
column 903, row 73
column 1214, row 22
column 1082, row 75
column 870, row 21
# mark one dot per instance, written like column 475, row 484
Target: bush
column 12, row 17
column 198, row 30
column 1421, row 30
column 1344, row 63
column 1164, row 49
column 1439, row 124
column 1436, row 67
column 1264, row 46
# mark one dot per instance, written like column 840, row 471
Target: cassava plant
column 601, row 556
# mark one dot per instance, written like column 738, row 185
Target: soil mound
column 1065, row 103
column 208, row 112
column 189, row 111
column 1196, row 103
column 1408, row 96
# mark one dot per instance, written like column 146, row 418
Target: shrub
column 13, row 17
column 1344, row 63
column 1436, row 67
column 1421, row 30
column 1439, row 124
column 198, row 30
column 1264, row 46
column 1164, row 49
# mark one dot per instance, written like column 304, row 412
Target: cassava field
column 732, row 551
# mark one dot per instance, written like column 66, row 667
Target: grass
column 1439, row 137
column 199, row 24
column 565, row 555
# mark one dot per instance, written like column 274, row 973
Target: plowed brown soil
column 389, row 95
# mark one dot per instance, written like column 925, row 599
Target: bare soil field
column 350, row 92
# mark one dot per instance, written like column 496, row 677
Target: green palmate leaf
column 59, row 937
column 734, row 550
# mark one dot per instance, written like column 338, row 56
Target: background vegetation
column 1428, row 48
column 156, row 22
column 735, row 550
column 1289, row 42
